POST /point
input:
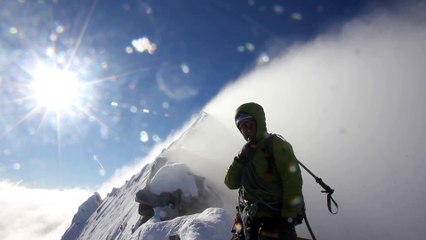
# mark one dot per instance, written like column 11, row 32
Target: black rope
column 308, row 225
column 327, row 189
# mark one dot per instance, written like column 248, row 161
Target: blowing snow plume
column 351, row 103
column 205, row 147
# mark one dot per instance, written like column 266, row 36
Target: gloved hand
column 287, row 230
column 287, row 222
column 246, row 153
column 293, row 221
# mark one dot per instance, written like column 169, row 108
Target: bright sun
column 56, row 90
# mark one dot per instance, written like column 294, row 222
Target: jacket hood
column 257, row 112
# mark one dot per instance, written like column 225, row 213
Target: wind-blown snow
column 172, row 177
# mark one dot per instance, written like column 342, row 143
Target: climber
column 270, row 187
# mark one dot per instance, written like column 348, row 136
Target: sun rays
column 52, row 96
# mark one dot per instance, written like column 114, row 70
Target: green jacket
column 282, row 182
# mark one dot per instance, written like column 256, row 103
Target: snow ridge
column 114, row 217
column 81, row 217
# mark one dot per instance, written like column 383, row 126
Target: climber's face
column 248, row 129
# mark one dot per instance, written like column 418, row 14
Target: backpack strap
column 270, row 153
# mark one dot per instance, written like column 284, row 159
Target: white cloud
column 29, row 213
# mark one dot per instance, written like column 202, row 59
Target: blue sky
column 145, row 67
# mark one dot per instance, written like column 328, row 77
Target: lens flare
column 144, row 136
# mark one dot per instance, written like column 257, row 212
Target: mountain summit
column 116, row 217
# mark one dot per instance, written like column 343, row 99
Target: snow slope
column 118, row 212
column 83, row 214
column 114, row 217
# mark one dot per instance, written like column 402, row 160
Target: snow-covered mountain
column 118, row 212
column 114, row 217
column 80, row 218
